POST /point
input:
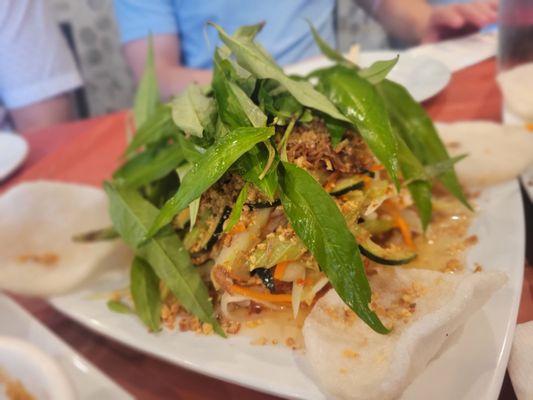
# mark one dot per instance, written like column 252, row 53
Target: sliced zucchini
column 275, row 249
column 382, row 255
column 275, row 203
column 390, row 256
column 346, row 185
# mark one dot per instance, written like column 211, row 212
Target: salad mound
column 262, row 190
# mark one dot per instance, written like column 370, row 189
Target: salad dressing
column 443, row 246
column 273, row 327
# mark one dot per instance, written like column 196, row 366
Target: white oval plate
column 423, row 76
column 13, row 152
column 471, row 367
column 86, row 380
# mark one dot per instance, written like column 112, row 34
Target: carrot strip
column 405, row 231
column 367, row 181
column 280, row 270
column 377, row 167
column 238, row 228
column 262, row 296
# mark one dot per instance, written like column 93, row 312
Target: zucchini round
column 275, row 203
column 385, row 256
column 378, row 254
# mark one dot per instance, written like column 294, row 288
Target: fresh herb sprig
column 229, row 126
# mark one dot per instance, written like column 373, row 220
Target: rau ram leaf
column 193, row 112
column 379, row 70
column 147, row 96
column 419, row 133
column 318, row 222
column 210, row 167
column 362, row 105
column 158, row 127
column 148, row 166
column 132, row 215
column 253, row 58
column 144, row 288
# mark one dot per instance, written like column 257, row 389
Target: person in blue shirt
column 184, row 44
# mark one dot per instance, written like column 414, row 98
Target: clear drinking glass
column 516, row 33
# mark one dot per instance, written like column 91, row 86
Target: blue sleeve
column 138, row 18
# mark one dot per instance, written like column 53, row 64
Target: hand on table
column 447, row 21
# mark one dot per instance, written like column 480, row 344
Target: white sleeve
column 35, row 61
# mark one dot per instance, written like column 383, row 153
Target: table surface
column 88, row 151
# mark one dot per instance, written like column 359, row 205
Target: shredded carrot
column 377, row 167
column 304, row 282
column 529, row 126
column 394, row 210
column 263, row 296
column 405, row 231
column 238, row 228
column 280, row 270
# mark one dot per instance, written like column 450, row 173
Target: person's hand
column 448, row 21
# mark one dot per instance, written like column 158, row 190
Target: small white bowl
column 13, row 152
column 39, row 373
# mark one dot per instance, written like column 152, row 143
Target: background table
column 88, row 151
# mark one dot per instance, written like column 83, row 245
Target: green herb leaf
column 420, row 188
column 326, row 49
column 144, row 286
column 437, row 169
column 378, row 70
column 253, row 58
column 157, row 127
column 118, row 307
column 317, row 221
column 195, row 204
column 147, row 96
column 149, row 166
column 336, row 129
column 236, row 211
column 191, row 152
column 209, row 169
column 96, row 235
column 193, row 112
column 132, row 216
column 419, row 133
column 252, row 164
column 235, row 108
column 361, row 103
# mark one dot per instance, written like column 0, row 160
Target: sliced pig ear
column 38, row 220
column 350, row 361
column 496, row 153
column 517, row 88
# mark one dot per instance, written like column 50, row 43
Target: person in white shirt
column 37, row 69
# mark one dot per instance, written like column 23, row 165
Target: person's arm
column 44, row 113
column 39, row 72
column 172, row 76
column 416, row 21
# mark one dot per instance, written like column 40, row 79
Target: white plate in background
column 13, row 152
column 86, row 380
column 423, row 76
column 471, row 367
